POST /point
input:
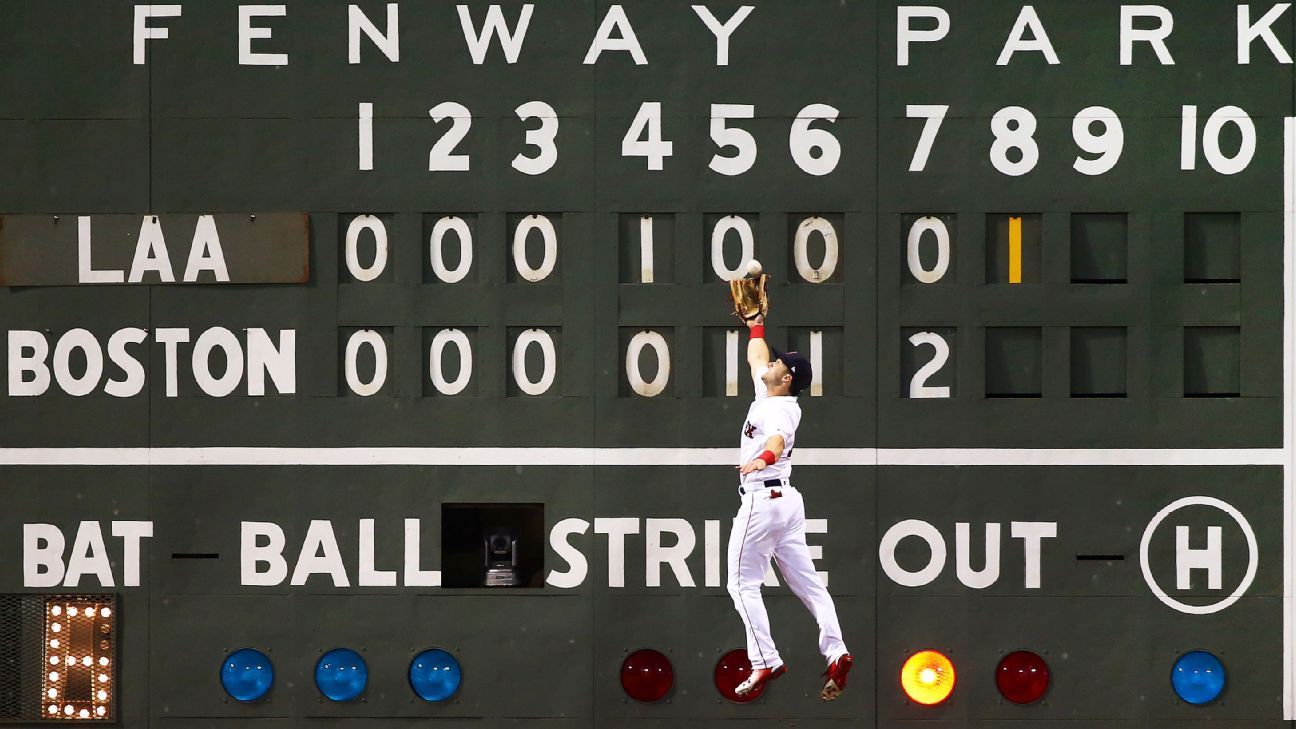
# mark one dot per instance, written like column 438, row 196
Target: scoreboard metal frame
column 509, row 290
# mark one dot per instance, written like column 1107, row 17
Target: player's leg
column 793, row 557
column 798, row 570
column 751, row 542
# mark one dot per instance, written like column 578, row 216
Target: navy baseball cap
column 798, row 365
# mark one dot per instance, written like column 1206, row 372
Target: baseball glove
column 749, row 297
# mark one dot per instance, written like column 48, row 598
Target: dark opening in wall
column 1098, row 248
column 1212, row 247
column 492, row 545
column 1212, row 362
column 1012, row 362
column 1098, row 356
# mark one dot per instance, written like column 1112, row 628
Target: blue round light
column 1198, row 677
column 247, row 674
column 435, row 675
column 341, row 674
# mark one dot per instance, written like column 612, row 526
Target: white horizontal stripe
column 635, row 456
column 1080, row 456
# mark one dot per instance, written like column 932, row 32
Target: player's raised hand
column 755, row 321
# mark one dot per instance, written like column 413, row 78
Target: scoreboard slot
column 363, row 366
column 646, row 248
column 366, row 250
column 536, row 240
column 646, row 361
column 450, row 248
column 1212, row 362
column 448, row 361
column 928, row 368
column 1012, row 362
column 824, row 347
column 1098, row 361
column 534, row 362
column 722, row 372
column 929, row 244
column 1013, row 248
column 1098, row 248
column 1212, row 247
column 731, row 245
column 817, row 245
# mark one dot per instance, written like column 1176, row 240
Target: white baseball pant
column 775, row 527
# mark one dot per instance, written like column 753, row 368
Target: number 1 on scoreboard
column 365, row 136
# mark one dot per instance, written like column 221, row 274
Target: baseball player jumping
column 771, row 519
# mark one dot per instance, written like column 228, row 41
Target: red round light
column 732, row 670
column 1022, row 677
column 647, row 675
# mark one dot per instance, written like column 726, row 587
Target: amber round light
column 1022, row 677
column 647, row 675
column 927, row 677
column 733, row 669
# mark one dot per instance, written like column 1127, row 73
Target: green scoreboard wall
column 300, row 298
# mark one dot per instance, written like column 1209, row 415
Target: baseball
column 754, row 268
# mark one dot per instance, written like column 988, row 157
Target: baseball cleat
column 759, row 677
column 836, row 673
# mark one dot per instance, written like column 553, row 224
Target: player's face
column 774, row 373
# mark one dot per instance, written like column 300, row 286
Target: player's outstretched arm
column 757, row 349
column 773, row 447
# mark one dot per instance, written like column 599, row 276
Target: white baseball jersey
column 771, row 524
column 766, row 417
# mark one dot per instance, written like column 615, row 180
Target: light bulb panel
column 80, row 653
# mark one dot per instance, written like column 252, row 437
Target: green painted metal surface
column 1139, row 361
